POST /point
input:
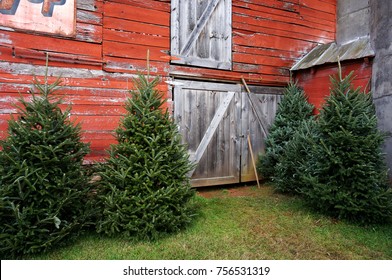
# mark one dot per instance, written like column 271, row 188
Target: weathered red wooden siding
column 269, row 36
column 111, row 43
column 316, row 81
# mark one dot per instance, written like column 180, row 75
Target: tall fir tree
column 42, row 184
column 348, row 176
column 292, row 111
column 145, row 190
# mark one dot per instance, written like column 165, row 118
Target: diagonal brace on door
column 211, row 130
column 199, row 27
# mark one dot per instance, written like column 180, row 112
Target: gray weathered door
column 215, row 120
column 201, row 33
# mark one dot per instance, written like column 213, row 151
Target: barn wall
column 268, row 37
column 110, row 47
column 381, row 35
column 316, row 81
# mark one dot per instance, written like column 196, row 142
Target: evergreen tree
column 42, row 184
column 144, row 190
column 296, row 155
column 348, row 176
column 292, row 111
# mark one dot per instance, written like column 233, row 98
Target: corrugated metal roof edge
column 332, row 52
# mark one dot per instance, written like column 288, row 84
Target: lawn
column 247, row 224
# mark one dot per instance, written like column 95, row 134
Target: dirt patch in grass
column 228, row 191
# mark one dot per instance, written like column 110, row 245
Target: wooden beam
column 253, row 161
column 199, row 27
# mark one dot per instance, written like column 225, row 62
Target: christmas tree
column 292, row 111
column 42, row 183
column 348, row 176
column 145, row 191
column 297, row 153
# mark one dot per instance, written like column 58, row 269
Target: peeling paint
column 27, row 69
column 5, row 39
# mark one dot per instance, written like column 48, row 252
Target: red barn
column 206, row 51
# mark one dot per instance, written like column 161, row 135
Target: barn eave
column 332, row 52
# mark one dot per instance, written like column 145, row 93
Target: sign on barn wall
column 48, row 16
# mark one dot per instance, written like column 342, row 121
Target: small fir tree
column 292, row 111
column 348, row 176
column 145, row 190
column 42, row 184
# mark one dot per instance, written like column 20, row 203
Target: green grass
column 263, row 225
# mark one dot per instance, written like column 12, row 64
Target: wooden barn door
column 201, row 33
column 215, row 120
column 207, row 115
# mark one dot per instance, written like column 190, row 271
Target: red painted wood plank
column 136, row 13
column 46, row 43
column 270, row 8
column 152, row 5
column 11, row 88
column 272, row 71
column 16, row 56
column 97, row 93
column 135, row 66
column 322, row 16
column 134, row 51
column 137, row 38
column 319, row 5
column 94, row 110
column 92, row 123
column 263, row 60
column 266, row 52
column 267, row 14
column 28, row 53
column 291, row 6
column 133, row 26
column 332, row 2
column 272, row 42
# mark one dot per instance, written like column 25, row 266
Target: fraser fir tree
column 144, row 190
column 292, row 111
column 42, row 185
column 296, row 155
column 348, row 176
